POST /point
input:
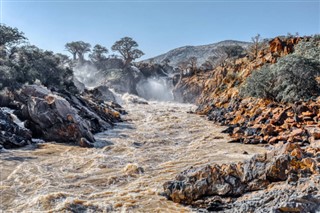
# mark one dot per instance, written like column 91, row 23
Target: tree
column 10, row 36
column 256, row 46
column 127, row 47
column 83, row 48
column 78, row 48
column 193, row 63
column 29, row 64
column 63, row 59
column 72, row 48
column 98, row 52
column 233, row 50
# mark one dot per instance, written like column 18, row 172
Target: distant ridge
column 201, row 52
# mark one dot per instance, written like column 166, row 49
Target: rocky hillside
column 202, row 53
column 270, row 99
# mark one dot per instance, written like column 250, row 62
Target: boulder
column 11, row 134
column 235, row 182
column 51, row 116
column 102, row 93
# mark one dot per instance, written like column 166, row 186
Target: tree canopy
column 128, row 48
column 98, row 53
column 9, row 35
column 78, row 48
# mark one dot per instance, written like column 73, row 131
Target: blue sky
column 157, row 26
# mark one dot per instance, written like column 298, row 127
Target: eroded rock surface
column 62, row 116
column 287, row 182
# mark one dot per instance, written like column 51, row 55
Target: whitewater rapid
column 154, row 144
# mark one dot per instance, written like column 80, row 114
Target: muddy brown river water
column 157, row 141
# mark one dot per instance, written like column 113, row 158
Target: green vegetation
column 292, row 78
column 78, row 48
column 21, row 63
column 29, row 64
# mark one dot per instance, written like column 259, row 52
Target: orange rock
column 297, row 152
column 296, row 132
column 50, row 99
column 311, row 122
column 289, row 120
column 289, row 147
column 310, row 164
column 307, row 114
column 276, row 45
column 70, row 118
column 268, row 130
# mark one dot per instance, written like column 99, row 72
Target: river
column 154, row 144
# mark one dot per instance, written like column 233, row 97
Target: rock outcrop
column 11, row 134
column 62, row 116
column 286, row 179
column 229, row 186
column 254, row 121
column 123, row 80
column 224, row 81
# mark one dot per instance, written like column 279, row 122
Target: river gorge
column 126, row 170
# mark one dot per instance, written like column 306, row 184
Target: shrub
column 309, row 49
column 27, row 64
column 233, row 50
column 291, row 79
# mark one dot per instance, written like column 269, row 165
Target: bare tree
column 256, row 46
column 193, row 64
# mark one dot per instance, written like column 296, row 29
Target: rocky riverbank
column 284, row 180
column 287, row 179
column 56, row 116
column 157, row 141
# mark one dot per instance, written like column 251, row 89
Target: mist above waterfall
column 159, row 89
column 153, row 88
column 88, row 74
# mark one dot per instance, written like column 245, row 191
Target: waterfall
column 159, row 89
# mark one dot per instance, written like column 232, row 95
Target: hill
column 202, row 52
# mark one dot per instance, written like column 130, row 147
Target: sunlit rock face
column 61, row 117
column 275, row 172
column 54, row 117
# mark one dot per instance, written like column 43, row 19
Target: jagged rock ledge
column 286, row 179
column 254, row 121
column 56, row 116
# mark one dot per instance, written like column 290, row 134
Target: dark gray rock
column 102, row 93
column 261, row 184
column 55, row 117
column 11, row 134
